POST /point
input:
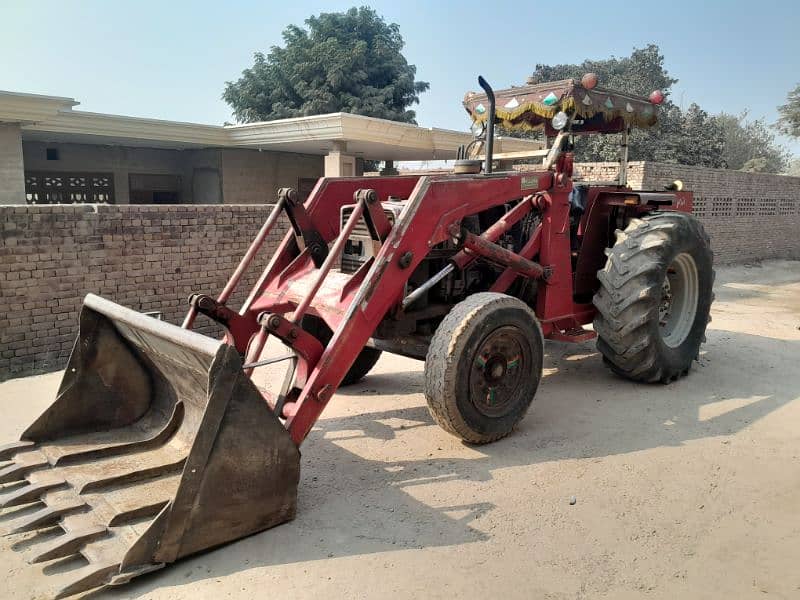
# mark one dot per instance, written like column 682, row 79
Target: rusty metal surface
column 492, row 252
column 157, row 446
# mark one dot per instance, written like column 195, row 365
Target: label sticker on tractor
column 531, row 181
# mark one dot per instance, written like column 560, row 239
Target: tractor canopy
column 595, row 110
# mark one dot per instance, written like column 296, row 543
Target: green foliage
column 640, row 73
column 690, row 136
column 343, row 62
column 794, row 168
column 750, row 146
column 789, row 120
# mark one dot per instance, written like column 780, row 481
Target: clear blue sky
column 170, row 59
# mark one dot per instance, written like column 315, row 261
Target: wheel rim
column 679, row 294
column 498, row 371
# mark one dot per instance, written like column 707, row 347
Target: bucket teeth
column 9, row 450
column 29, row 493
column 47, row 516
column 13, row 472
column 156, row 447
column 70, row 543
column 21, row 466
column 87, row 578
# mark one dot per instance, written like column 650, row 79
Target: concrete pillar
column 12, row 166
column 339, row 164
column 122, row 192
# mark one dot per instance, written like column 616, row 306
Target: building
column 51, row 153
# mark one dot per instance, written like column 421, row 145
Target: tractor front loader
column 159, row 444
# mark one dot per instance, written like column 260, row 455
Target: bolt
column 274, row 322
column 205, row 303
column 405, row 259
column 325, row 393
column 371, row 196
column 293, row 334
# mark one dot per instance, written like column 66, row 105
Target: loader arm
column 354, row 305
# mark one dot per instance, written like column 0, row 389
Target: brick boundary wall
column 150, row 258
column 145, row 257
column 749, row 216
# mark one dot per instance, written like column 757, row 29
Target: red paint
column 353, row 305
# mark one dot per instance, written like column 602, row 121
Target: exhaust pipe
column 490, row 123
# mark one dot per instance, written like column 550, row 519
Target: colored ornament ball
column 656, row 97
column 589, row 81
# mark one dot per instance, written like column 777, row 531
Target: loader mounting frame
column 299, row 278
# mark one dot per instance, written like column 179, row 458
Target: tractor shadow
column 363, row 472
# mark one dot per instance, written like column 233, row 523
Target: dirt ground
column 690, row 490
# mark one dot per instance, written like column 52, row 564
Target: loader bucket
column 156, row 447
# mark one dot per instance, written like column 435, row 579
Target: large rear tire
column 655, row 297
column 483, row 367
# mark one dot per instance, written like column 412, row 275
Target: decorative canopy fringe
column 532, row 107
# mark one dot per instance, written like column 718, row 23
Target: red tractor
column 159, row 445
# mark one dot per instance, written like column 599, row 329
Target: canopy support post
column 623, row 161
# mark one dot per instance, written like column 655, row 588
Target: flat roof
column 52, row 119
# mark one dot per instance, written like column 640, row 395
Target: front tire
column 363, row 363
column 655, row 297
column 483, row 367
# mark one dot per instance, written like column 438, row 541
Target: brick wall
column 152, row 257
column 749, row 216
column 609, row 171
column 149, row 258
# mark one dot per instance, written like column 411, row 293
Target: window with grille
column 69, row 188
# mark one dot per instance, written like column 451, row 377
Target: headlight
column 559, row 121
column 477, row 129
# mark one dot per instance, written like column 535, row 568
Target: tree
column 700, row 140
column 794, row 168
column 750, row 146
column 640, row 73
column 789, row 120
column 690, row 136
column 343, row 62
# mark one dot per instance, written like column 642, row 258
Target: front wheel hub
column 498, row 370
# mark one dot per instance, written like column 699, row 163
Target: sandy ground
column 684, row 491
